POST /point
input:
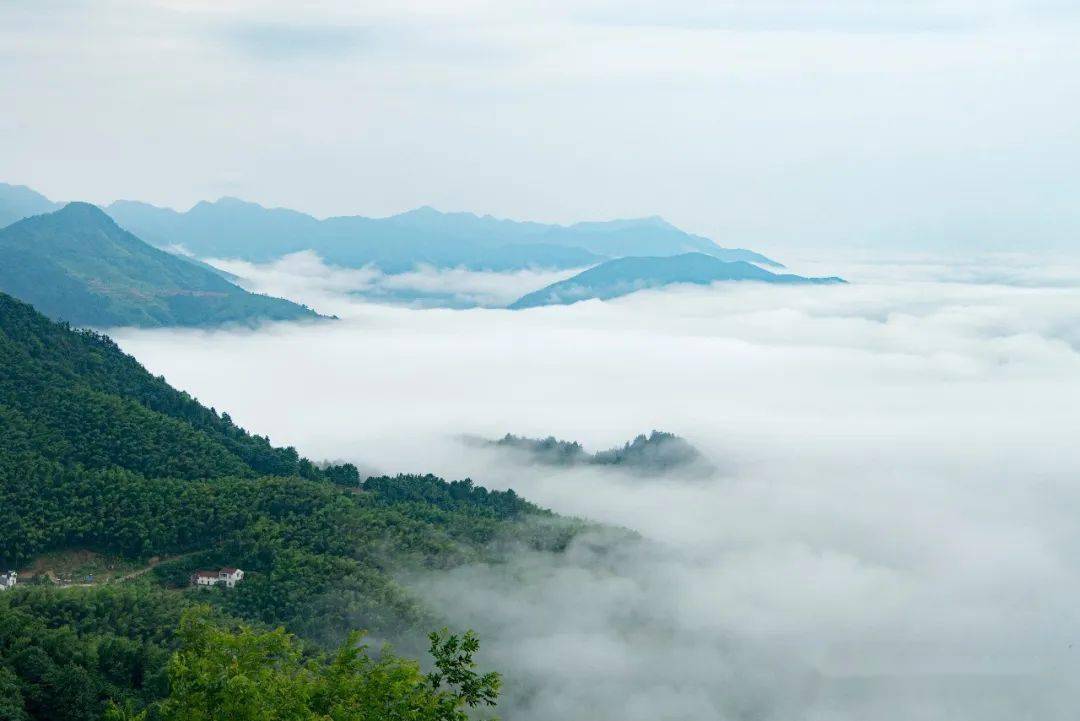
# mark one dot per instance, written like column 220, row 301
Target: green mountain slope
column 78, row 265
column 626, row 275
column 98, row 455
column 75, row 401
column 75, row 397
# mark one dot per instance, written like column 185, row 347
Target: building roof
column 206, row 574
column 229, row 570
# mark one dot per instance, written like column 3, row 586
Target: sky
column 891, row 532
column 785, row 126
column 890, row 535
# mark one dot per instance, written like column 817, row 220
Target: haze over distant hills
column 18, row 202
column 231, row 228
column 625, row 255
column 623, row 276
column 425, row 236
column 76, row 264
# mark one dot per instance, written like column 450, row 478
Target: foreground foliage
column 250, row 675
column 65, row 654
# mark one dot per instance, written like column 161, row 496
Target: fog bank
column 306, row 278
column 892, row 533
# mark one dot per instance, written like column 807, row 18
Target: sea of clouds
column 305, row 277
column 892, row 532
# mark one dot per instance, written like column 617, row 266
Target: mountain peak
column 424, row 211
column 12, row 187
column 228, row 200
column 225, row 202
column 78, row 265
column 84, row 213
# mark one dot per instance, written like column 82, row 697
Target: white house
column 8, row 580
column 228, row 577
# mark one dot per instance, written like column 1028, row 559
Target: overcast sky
column 781, row 125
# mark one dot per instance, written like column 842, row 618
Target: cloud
column 306, row 277
column 893, row 536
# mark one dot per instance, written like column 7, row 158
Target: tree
column 11, row 699
column 454, row 663
column 245, row 674
column 343, row 474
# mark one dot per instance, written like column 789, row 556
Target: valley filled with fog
column 889, row 531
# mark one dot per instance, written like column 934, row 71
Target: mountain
column 105, row 466
column 76, row 264
column 18, row 202
column 238, row 229
column 626, row 275
column 655, row 454
column 233, row 228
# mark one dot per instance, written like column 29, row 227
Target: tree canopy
column 244, row 674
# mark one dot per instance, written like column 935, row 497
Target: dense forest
column 98, row 454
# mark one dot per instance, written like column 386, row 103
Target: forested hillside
column 98, row 454
column 78, row 265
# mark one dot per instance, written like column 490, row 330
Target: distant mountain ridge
column 76, row 264
column 424, row 236
column 233, row 228
column 18, row 202
column 623, row 276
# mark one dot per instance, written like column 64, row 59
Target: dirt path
column 154, row 563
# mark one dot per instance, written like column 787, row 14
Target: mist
column 890, row 533
column 305, row 277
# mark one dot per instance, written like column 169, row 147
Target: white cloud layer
column 893, row 535
column 304, row 277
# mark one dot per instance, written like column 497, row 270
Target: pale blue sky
column 776, row 124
